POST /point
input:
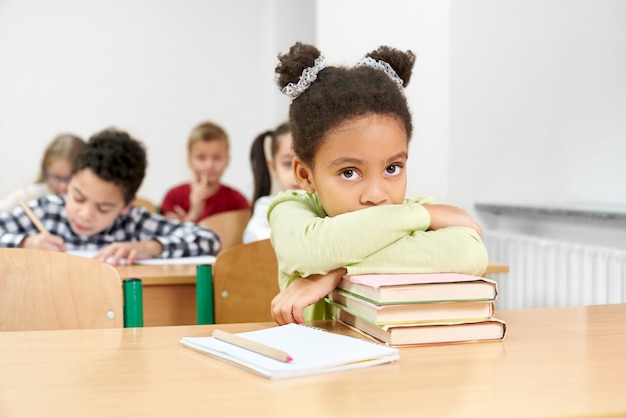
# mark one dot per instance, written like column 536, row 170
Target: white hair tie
column 308, row 76
column 383, row 66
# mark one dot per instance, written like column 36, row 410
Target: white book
column 202, row 259
column 313, row 350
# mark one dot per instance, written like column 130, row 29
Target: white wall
column 153, row 68
column 519, row 101
column 538, row 108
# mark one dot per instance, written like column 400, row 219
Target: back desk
column 169, row 291
column 554, row 362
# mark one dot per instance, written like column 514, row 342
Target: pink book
column 384, row 289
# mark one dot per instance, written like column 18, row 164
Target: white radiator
column 547, row 273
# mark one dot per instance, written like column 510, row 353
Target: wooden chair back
column 146, row 203
column 245, row 280
column 228, row 225
column 43, row 290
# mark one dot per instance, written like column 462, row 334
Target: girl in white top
column 277, row 168
column 54, row 173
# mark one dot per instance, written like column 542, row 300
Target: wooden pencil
column 32, row 216
column 251, row 345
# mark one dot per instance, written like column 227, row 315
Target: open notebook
column 314, row 351
column 203, row 259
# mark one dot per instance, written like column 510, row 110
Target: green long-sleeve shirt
column 381, row 239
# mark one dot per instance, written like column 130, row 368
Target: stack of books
column 415, row 309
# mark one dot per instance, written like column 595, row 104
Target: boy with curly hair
column 97, row 213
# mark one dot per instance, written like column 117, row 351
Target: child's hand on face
column 200, row 191
column 130, row 251
column 288, row 305
column 198, row 194
column 44, row 241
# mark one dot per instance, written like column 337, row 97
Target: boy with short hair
column 97, row 213
column 208, row 156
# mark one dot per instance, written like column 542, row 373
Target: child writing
column 98, row 214
column 208, row 157
column 351, row 128
column 264, row 169
column 54, row 172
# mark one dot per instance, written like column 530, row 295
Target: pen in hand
column 252, row 345
column 32, row 216
column 44, row 241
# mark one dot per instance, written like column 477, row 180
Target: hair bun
column 401, row 61
column 291, row 64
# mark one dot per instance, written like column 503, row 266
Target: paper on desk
column 202, row 259
column 314, row 351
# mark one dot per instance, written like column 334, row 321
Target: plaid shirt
column 179, row 239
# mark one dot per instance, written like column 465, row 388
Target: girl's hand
column 288, row 305
column 44, row 241
column 442, row 216
column 130, row 251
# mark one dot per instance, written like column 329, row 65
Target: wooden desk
column 169, row 292
column 560, row 361
column 494, row 268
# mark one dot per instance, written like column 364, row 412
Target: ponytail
column 260, row 171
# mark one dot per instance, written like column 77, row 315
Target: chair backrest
column 51, row 290
column 146, row 203
column 245, row 280
column 228, row 225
